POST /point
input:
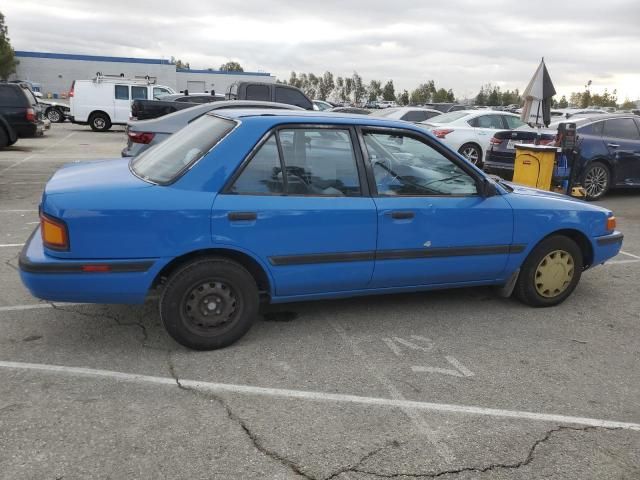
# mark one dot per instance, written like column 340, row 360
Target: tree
column 563, row 102
column 389, row 91
column 359, row 90
column 348, row 88
column 494, row 97
column 404, row 98
column 231, row 67
column 180, row 64
column 375, row 90
column 8, row 60
column 481, row 98
column 325, row 85
column 421, row 95
column 627, row 104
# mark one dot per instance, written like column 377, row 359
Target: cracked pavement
column 580, row 359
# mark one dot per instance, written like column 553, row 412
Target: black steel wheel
column 596, row 180
column 209, row 303
column 99, row 122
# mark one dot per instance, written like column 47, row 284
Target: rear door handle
column 402, row 215
column 238, row 216
column 613, row 145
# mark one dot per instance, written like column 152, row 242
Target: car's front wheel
column 54, row 115
column 471, row 152
column 550, row 273
column 596, row 180
column 209, row 303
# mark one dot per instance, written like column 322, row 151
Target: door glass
column 259, row 92
column 621, row 128
column 414, row 116
column 513, row 122
column 489, row 121
column 122, row 92
column 404, row 166
column 263, row 174
column 319, row 162
column 159, row 92
column 292, row 97
column 139, row 93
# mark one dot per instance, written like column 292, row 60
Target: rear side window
column 122, row 92
column 11, row 97
column 591, row 129
column 259, row 92
column 139, row 93
column 292, row 97
column 513, row 122
column 621, row 128
column 165, row 162
column 263, row 174
column 487, row 121
column 415, row 116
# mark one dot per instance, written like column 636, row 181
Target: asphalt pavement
column 457, row 384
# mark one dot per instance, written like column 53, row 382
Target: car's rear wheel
column 471, row 152
column 596, row 180
column 209, row 303
column 550, row 273
column 100, row 122
column 54, row 115
column 4, row 138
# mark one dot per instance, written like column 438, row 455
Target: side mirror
column 488, row 188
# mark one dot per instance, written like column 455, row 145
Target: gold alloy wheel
column 554, row 273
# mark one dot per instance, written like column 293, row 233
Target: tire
column 99, row 122
column 471, row 152
column 54, row 115
column 596, row 180
column 553, row 258
column 4, row 138
column 186, row 303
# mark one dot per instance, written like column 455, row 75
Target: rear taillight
column 141, row 137
column 30, row 115
column 495, row 141
column 73, row 84
column 442, row 132
column 54, row 233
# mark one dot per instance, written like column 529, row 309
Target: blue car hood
column 94, row 176
column 530, row 191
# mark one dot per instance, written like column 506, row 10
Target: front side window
column 621, row 128
column 316, row 162
column 404, row 166
column 292, row 97
column 122, row 92
column 159, row 92
column 139, row 93
column 166, row 161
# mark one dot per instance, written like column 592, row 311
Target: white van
column 106, row 100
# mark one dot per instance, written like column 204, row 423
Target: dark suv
column 19, row 113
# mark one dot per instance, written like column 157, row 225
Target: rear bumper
column 607, row 247
column 52, row 279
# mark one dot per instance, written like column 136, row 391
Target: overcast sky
column 461, row 44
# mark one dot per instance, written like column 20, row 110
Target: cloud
column 461, row 44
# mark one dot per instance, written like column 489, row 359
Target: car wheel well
column 250, row 264
column 581, row 240
column 96, row 112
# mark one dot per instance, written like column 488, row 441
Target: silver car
column 143, row 134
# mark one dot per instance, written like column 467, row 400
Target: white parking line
column 37, row 306
column 19, row 210
column 3, row 245
column 630, row 254
column 319, row 396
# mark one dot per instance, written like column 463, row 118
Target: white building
column 54, row 72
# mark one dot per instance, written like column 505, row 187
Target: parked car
column 55, row 112
column 469, row 131
column 387, row 104
column 269, row 92
column 608, row 147
column 166, row 104
column 143, row 134
column 20, row 114
column 106, row 101
column 321, row 105
column 250, row 205
column 446, row 107
column 351, row 110
column 408, row 114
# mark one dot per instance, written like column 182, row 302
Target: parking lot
column 457, row 384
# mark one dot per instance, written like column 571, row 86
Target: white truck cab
column 106, row 100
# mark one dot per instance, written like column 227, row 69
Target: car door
column 315, row 226
column 485, row 126
column 434, row 226
column 622, row 138
column 121, row 104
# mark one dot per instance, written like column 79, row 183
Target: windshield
column 447, row 117
column 166, row 161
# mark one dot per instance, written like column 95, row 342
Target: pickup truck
column 255, row 91
column 147, row 109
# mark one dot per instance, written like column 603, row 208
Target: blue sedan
column 252, row 206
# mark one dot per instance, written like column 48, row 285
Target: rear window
column 448, row 117
column 11, row 96
column 164, row 163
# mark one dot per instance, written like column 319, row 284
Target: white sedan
column 408, row 114
column 469, row 131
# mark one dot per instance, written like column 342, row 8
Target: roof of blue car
column 301, row 116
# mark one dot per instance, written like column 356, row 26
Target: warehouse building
column 54, row 72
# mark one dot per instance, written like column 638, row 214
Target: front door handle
column 613, row 145
column 239, row 216
column 402, row 215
